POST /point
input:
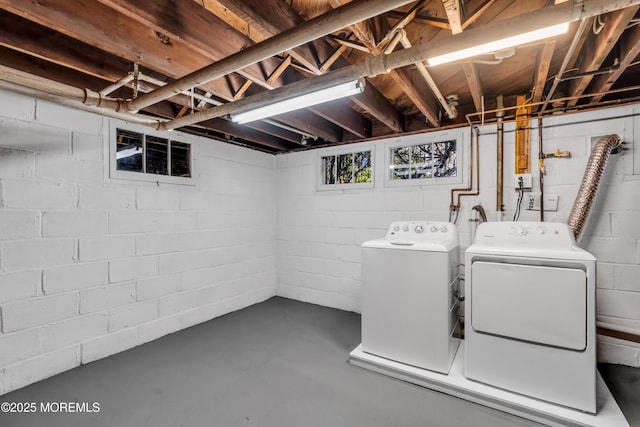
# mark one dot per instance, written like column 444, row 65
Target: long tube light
column 507, row 42
column 305, row 100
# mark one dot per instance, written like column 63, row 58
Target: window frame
column 115, row 173
column 321, row 186
column 427, row 138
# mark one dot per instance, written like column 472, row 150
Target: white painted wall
column 320, row 232
column 91, row 266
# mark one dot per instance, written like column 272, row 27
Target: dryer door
column 544, row 305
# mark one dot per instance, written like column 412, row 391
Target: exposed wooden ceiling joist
column 542, row 69
column 629, row 51
column 598, row 47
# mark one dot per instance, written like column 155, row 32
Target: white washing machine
column 530, row 312
column 409, row 294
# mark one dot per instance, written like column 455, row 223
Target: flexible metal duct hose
column 590, row 182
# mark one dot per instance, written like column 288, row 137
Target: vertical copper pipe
column 500, row 157
column 540, row 159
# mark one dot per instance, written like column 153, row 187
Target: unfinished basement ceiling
column 146, row 44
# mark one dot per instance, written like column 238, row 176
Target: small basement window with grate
column 140, row 156
column 342, row 170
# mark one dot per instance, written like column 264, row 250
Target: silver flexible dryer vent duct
column 590, row 182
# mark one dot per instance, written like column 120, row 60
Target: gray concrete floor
column 278, row 363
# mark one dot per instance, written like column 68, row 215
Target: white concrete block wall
column 90, row 265
column 320, row 232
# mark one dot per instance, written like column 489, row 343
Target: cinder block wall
column 91, row 266
column 320, row 232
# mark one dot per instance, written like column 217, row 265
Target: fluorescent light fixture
column 531, row 36
column 306, row 100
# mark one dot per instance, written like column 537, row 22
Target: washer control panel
column 410, row 232
column 542, row 233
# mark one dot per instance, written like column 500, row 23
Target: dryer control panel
column 549, row 234
column 421, row 231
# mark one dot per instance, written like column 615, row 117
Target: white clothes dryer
column 530, row 312
column 409, row 294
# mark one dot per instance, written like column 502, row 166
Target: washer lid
column 543, row 305
column 419, row 235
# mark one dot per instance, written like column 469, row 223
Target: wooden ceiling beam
column 243, row 132
column 313, row 124
column 366, row 35
column 285, row 17
column 473, row 81
column 629, row 51
column 357, row 124
column 189, row 22
column 454, row 15
column 273, row 18
column 598, row 47
column 473, row 16
column 93, row 24
column 41, row 42
column 542, row 69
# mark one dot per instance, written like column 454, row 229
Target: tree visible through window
column 347, row 168
column 423, row 161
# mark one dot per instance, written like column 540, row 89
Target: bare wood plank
column 232, row 19
column 454, row 15
column 313, row 124
column 191, row 23
column 379, row 107
column 523, row 136
column 542, row 69
column 629, row 51
column 246, row 133
column 92, row 23
column 371, row 100
column 278, row 132
column 326, row 65
column 429, row 20
column 354, row 123
column 240, row 92
column 365, row 34
column 473, row 16
column 599, row 46
column 473, row 81
column 281, row 69
column 33, row 39
column 272, row 18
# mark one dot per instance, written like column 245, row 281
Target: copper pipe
column 590, row 182
column 470, row 186
column 500, row 157
column 541, row 174
column 567, row 98
column 477, row 157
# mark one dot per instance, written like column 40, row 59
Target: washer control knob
column 443, row 229
column 396, row 228
column 405, row 228
column 521, row 231
column 434, row 229
column 419, row 229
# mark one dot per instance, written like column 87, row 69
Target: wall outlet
column 532, row 202
column 527, row 181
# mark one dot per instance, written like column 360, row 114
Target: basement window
column 146, row 157
column 346, row 169
column 418, row 161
